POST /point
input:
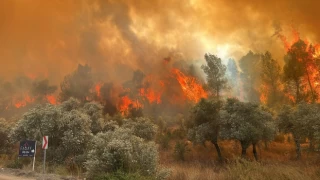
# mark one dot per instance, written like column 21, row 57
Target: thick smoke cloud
column 48, row 39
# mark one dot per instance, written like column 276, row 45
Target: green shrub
column 180, row 150
column 121, row 150
column 164, row 141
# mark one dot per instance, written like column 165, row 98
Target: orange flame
column 126, row 102
column 151, row 95
column 21, row 103
column 51, row 99
column 97, row 89
column 311, row 80
column 263, row 94
column 189, row 85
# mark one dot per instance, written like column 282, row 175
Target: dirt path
column 11, row 177
column 17, row 174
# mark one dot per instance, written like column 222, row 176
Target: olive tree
column 67, row 125
column 246, row 122
column 127, row 148
column 4, row 136
column 94, row 111
column 141, row 127
column 301, row 121
column 204, row 124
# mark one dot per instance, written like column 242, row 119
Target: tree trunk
column 266, row 146
column 216, row 145
column 254, row 150
column 311, row 145
column 297, row 92
column 311, row 88
column 298, row 148
column 244, row 147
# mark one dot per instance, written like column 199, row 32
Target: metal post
column 34, row 156
column 44, row 161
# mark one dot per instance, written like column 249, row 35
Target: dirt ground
column 17, row 174
column 12, row 177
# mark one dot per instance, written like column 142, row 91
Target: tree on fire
column 77, row 85
column 297, row 72
column 107, row 96
column 271, row 79
column 204, row 124
column 250, row 75
column 246, row 122
column 40, row 89
column 7, row 91
column 215, row 72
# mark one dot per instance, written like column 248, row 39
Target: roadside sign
column 45, row 142
column 27, row 148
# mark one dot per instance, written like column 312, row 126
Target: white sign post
column 45, row 141
column 34, row 157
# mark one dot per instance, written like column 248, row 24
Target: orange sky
column 47, row 39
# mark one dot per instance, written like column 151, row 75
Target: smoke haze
column 47, row 39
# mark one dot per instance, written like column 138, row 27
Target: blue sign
column 27, row 148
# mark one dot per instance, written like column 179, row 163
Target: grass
column 200, row 162
column 243, row 169
column 276, row 162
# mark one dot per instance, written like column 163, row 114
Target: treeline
column 91, row 136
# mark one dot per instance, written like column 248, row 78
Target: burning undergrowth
column 171, row 89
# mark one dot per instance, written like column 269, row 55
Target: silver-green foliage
column 4, row 136
column 94, row 110
column 302, row 121
column 204, row 122
column 246, row 122
column 141, row 127
column 67, row 125
column 122, row 150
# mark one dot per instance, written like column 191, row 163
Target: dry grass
column 276, row 162
column 243, row 169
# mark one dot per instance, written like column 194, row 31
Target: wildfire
column 311, row 79
column 125, row 103
column 21, row 103
column 51, row 99
column 151, row 95
column 263, row 94
column 189, row 85
column 97, row 89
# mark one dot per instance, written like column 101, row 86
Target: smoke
column 47, row 39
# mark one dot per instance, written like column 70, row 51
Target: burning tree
column 301, row 72
column 77, row 85
column 43, row 91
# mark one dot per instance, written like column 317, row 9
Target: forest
column 247, row 111
column 166, row 90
